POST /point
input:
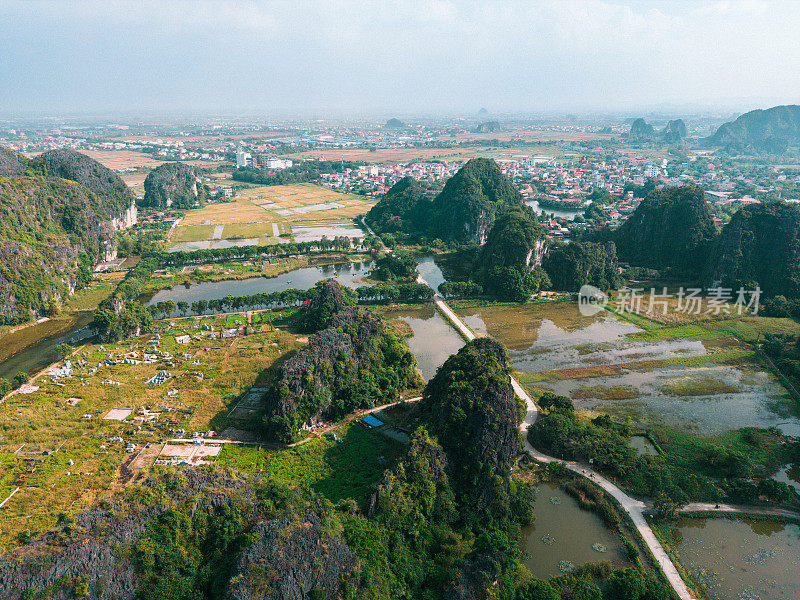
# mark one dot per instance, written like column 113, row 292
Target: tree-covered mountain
column 507, row 263
column 102, row 181
column 772, row 130
column 396, row 211
column 675, row 131
column 200, row 533
column 641, row 131
column 670, row 228
column 471, row 408
column 11, row 163
column 52, row 229
column 173, row 185
column 355, row 362
column 760, row 245
column 488, row 127
column 570, row 266
column 465, row 210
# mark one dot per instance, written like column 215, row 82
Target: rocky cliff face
column 70, row 204
column 471, row 408
column 771, row 130
column 670, row 228
column 292, row 559
column 641, row 131
column 675, row 131
column 760, row 245
column 114, row 194
column 11, row 163
column 466, row 208
column 99, row 555
column 173, row 185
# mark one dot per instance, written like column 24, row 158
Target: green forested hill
column 770, row 130
column 670, row 228
column 173, row 185
column 464, row 211
column 77, row 167
column 760, row 245
column 52, row 228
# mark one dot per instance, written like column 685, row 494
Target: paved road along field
column 635, row 508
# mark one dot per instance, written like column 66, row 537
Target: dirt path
column 634, row 508
column 739, row 509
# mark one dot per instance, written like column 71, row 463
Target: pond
column 564, row 534
column 434, row 339
column 347, row 274
column 738, row 559
column 790, row 475
column 38, row 343
column 643, row 445
column 564, row 214
column 431, row 273
column 705, row 400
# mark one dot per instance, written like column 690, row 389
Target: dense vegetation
column 472, row 410
column 507, row 263
column 400, row 265
column 173, row 185
column 69, row 164
column 396, row 211
column 570, row 266
column 464, row 211
column 356, row 362
column 57, row 211
column 760, row 245
column 671, row 228
column 698, row 469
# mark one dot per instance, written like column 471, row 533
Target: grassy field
column 63, row 462
column 338, row 470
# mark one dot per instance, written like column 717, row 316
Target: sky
column 404, row 57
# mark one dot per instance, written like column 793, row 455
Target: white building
column 279, row 163
column 242, row 159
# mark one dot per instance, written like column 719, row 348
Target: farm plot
column 270, row 215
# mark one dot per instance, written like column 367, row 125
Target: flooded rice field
column 565, row 536
column 705, row 400
column 643, row 445
column 434, row 339
column 740, row 560
column 546, row 336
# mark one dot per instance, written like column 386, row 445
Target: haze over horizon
column 349, row 58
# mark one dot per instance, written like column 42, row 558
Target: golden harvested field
column 266, row 212
column 240, row 211
column 405, row 155
column 123, row 159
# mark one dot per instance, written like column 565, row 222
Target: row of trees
column 404, row 292
column 194, row 257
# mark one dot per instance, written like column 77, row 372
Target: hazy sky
column 339, row 57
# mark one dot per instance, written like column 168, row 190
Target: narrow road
column 634, row 508
column 739, row 509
